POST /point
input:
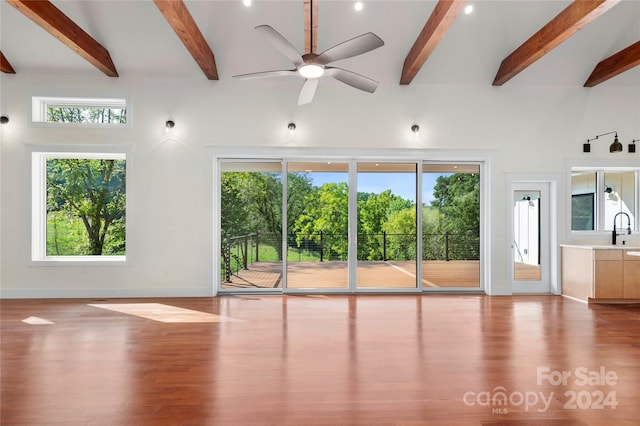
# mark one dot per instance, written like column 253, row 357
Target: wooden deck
column 333, row 275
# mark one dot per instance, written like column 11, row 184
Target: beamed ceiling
column 580, row 42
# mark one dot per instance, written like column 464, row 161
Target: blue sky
column 402, row 184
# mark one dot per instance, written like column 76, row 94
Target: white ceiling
column 141, row 42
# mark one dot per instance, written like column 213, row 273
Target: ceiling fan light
column 311, row 71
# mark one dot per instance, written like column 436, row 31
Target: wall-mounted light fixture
column 632, row 145
column 292, row 127
column 5, row 119
column 616, row 146
column 415, row 128
column 608, row 189
column 169, row 124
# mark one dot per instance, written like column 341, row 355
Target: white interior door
column 529, row 227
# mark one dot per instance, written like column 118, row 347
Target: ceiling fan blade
column 356, row 46
column 352, row 79
column 307, row 91
column 264, row 74
column 281, row 43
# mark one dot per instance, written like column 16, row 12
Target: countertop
column 632, row 246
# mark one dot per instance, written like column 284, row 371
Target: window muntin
column 79, row 206
column 73, row 110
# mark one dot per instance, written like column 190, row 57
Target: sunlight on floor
column 163, row 313
column 36, row 321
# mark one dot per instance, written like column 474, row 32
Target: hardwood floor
column 321, row 360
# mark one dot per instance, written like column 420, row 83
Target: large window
column 79, row 206
column 600, row 195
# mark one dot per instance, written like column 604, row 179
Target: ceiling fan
column 312, row 66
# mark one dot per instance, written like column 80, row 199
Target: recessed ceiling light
column 468, row 9
column 246, row 2
column 358, row 6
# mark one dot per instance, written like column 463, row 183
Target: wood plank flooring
column 322, row 360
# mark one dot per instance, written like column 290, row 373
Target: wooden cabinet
column 606, row 274
column 631, row 274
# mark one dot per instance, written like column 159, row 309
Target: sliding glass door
column 251, row 225
column 386, row 223
column 317, row 225
column 450, row 226
column 349, row 226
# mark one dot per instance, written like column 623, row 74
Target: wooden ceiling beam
column 310, row 26
column 572, row 19
column 178, row 16
column 442, row 17
column 618, row 63
column 59, row 25
column 5, row 66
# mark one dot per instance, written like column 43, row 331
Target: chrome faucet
column 615, row 234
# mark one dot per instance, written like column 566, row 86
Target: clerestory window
column 75, row 110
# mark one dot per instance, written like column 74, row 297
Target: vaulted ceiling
column 426, row 42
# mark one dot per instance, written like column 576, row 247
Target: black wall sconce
column 608, row 189
column 415, row 128
column 5, row 119
column 616, row 146
column 292, row 127
column 632, row 145
column 169, row 124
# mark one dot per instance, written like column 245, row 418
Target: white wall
column 171, row 215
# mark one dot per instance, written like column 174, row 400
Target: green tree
column 299, row 188
column 374, row 210
column 432, row 247
column 71, row 114
column 94, row 191
column 262, row 193
column 326, row 211
column 457, row 197
column 401, row 234
column 234, row 217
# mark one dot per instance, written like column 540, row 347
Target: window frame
column 480, row 159
column 38, row 160
column 600, row 168
column 40, row 105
